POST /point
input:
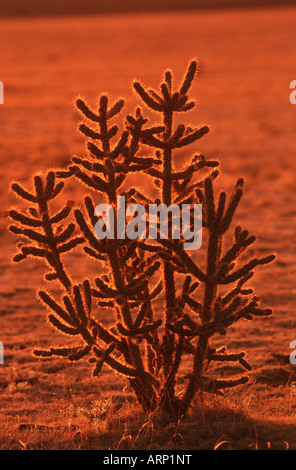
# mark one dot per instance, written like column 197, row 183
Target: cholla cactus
column 146, row 343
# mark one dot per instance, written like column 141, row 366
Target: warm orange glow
column 246, row 61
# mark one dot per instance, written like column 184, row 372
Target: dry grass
column 73, row 420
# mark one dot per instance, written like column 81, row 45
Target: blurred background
column 53, row 52
column 55, row 7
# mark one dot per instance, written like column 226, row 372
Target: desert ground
column 246, row 63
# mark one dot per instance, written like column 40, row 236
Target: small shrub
column 148, row 340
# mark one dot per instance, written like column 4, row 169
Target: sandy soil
column 247, row 61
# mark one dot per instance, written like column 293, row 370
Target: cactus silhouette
column 147, row 341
